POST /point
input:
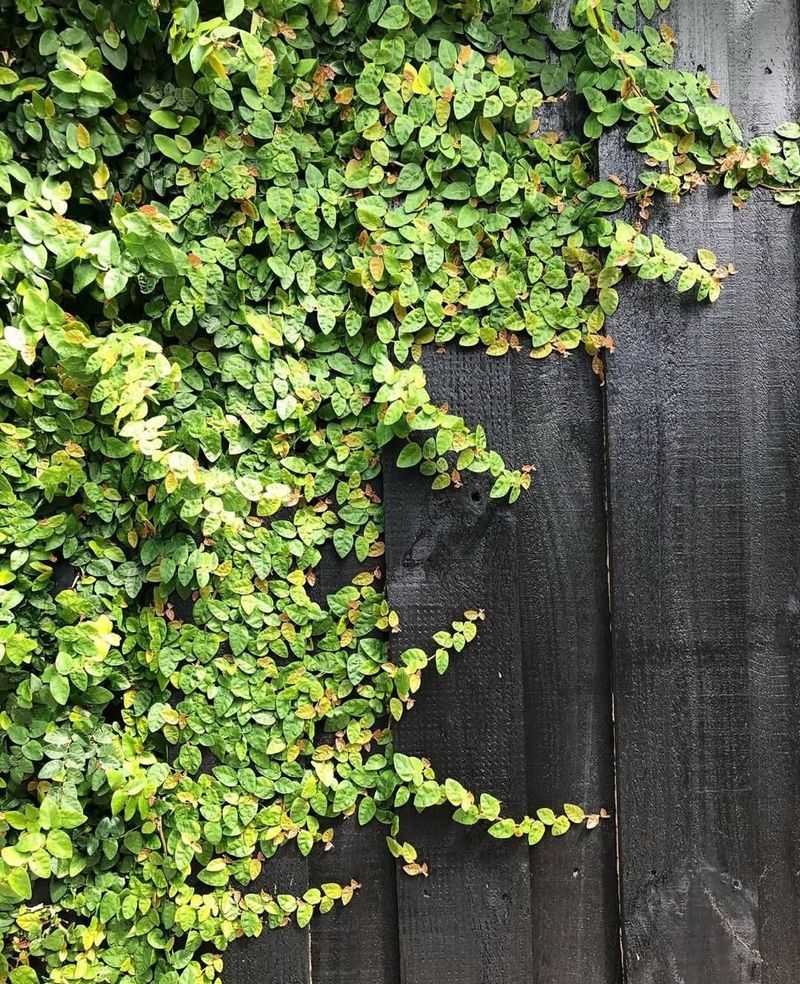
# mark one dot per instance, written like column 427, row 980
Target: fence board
column 282, row 956
column 469, row 922
column 357, row 944
column 538, row 567
column 563, row 583
column 703, row 474
column 563, row 611
column 765, row 84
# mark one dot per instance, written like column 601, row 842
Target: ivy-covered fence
column 643, row 625
column 263, row 263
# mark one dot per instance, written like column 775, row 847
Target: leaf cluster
column 227, row 231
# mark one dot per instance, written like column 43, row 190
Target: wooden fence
column 643, row 621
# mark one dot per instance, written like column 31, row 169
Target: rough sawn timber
column 703, row 442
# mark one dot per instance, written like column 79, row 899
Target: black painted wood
column 539, row 569
column 447, row 552
column 703, row 443
column 281, row 956
column 563, row 611
column 525, row 713
column 356, row 944
column 562, row 574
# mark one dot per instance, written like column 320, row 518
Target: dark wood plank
column 544, row 560
column 539, row 569
column 765, row 91
column 563, row 584
column 357, row 944
column 279, row 956
column 470, row 920
column 703, row 438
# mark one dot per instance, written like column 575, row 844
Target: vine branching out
column 226, row 232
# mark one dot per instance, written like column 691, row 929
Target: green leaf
column 408, row 768
column 553, row 78
column 59, row 844
column 463, row 104
column 8, row 357
column 49, row 813
column 410, row 455
column 411, row 177
column 343, row 541
column 59, row 688
column 536, row 832
column 168, row 147
column 381, row 303
column 455, row 792
column 707, row 259
column 604, row 189
column 280, row 201
column 366, row 810
column 395, row 18
column 421, row 9
column 575, row 814
column 503, row 829
column 659, row 150
column 560, row 826
column 489, row 807
column 790, row 131
column 23, row 975
column 19, row 884
column 479, row 296
column 165, row 118
column 95, row 82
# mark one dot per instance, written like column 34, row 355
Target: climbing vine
column 227, row 231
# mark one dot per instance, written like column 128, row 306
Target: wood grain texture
column 356, row 944
column 533, row 721
column 446, row 552
column 557, row 410
column 539, row 569
column 280, row 956
column 563, row 585
column 703, row 443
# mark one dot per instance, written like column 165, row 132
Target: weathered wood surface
column 696, row 443
column 563, row 611
column 282, row 956
column 470, row 921
column 533, row 719
column 533, row 694
column 703, row 443
column 356, row 944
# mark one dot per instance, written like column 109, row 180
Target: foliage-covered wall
column 226, row 232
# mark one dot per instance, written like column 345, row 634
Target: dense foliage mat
column 226, row 233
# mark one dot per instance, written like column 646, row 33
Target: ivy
column 226, row 233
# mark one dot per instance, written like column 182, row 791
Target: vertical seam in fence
column 612, row 682
column 397, row 926
column 526, row 735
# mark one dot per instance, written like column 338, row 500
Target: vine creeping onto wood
column 229, row 234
